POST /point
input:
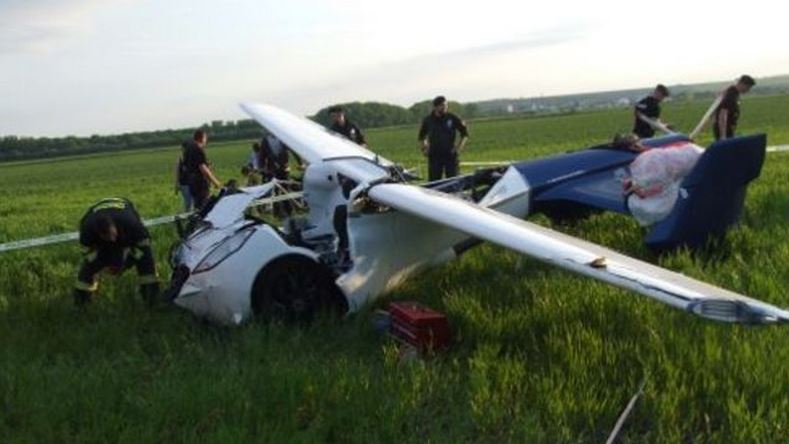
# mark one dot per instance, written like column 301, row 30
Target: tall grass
column 540, row 355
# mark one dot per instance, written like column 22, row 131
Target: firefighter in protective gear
column 115, row 238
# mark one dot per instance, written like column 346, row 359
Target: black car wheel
column 296, row 289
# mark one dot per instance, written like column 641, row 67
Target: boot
column 150, row 293
column 82, row 297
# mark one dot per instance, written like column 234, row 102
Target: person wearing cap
column 727, row 113
column 437, row 137
column 341, row 125
column 114, row 238
column 647, row 113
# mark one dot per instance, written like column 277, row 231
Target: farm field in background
column 541, row 355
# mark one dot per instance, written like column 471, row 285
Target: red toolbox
column 419, row 326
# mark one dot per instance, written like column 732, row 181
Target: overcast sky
column 104, row 66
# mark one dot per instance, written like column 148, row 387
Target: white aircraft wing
column 311, row 141
column 578, row 256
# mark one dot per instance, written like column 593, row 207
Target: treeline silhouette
column 366, row 115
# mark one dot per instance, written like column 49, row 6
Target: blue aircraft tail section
column 574, row 184
column 712, row 195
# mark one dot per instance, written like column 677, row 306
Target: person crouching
column 114, row 238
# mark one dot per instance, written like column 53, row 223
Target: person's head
column 106, row 229
column 660, row 92
column 200, row 137
column 440, row 105
column 745, row 83
column 256, row 147
column 337, row 114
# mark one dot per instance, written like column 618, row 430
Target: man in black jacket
column 199, row 174
column 437, row 138
column 728, row 111
column 275, row 164
column 341, row 125
column 114, row 238
column 647, row 112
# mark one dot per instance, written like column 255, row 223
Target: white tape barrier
column 707, row 116
column 68, row 237
column 777, row 148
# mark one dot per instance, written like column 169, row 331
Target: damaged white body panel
column 367, row 229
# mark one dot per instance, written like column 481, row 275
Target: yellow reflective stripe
column 86, row 286
column 111, row 203
column 149, row 279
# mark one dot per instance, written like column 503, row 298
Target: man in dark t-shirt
column 341, row 125
column 437, row 138
column 274, row 159
column 114, row 238
column 727, row 113
column 647, row 112
column 198, row 172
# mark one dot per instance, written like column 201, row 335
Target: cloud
column 414, row 78
column 38, row 25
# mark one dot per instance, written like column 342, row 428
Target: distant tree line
column 366, row 115
column 19, row 148
column 376, row 114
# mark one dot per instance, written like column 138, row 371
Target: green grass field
column 540, row 355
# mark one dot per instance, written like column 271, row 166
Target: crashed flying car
column 367, row 228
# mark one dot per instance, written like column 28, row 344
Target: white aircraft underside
column 233, row 268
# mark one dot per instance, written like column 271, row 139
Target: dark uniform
column 194, row 156
column 650, row 107
column 132, row 247
column 274, row 164
column 730, row 104
column 350, row 131
column 441, row 132
column 274, row 159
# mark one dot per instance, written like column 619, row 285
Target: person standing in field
column 182, row 180
column 275, row 164
column 198, row 170
column 274, row 158
column 647, row 113
column 341, row 125
column 254, row 157
column 437, row 137
column 727, row 113
column 114, row 238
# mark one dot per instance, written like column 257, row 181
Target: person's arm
column 360, row 137
column 463, row 130
column 424, row 145
column 88, row 239
column 655, row 124
column 209, row 175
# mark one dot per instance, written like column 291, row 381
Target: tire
column 296, row 289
